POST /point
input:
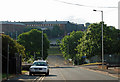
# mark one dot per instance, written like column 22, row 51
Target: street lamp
column 102, row 35
column 8, row 62
column 42, row 40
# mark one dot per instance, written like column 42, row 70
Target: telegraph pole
column 8, row 63
column 42, row 44
column 102, row 37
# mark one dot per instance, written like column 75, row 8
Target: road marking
column 35, row 79
column 41, row 79
column 62, row 75
column 38, row 79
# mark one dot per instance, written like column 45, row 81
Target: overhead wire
column 84, row 5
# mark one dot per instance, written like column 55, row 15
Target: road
column 65, row 72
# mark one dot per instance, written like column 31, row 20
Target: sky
column 61, row 10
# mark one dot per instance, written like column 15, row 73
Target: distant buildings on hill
column 67, row 26
column 51, row 24
column 41, row 24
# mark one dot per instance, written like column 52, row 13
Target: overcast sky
column 52, row 10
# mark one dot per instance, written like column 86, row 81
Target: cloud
column 75, row 19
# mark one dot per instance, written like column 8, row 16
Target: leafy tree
column 69, row 43
column 91, row 41
column 32, row 41
column 14, row 48
column 58, row 42
column 13, row 45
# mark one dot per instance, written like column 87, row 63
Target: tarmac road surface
column 66, row 73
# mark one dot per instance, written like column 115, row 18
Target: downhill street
column 59, row 71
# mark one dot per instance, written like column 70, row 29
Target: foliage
column 32, row 41
column 69, row 43
column 14, row 47
column 91, row 42
column 58, row 42
column 15, row 51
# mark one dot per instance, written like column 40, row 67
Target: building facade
column 46, row 24
column 10, row 28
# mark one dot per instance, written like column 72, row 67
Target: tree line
column 80, row 44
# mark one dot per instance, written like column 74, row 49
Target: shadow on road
column 27, row 78
column 13, row 81
column 23, row 78
column 61, row 67
column 51, row 76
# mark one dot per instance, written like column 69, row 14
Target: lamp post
column 42, row 40
column 8, row 63
column 102, row 35
column 42, row 44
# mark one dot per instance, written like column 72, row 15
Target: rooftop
column 8, row 22
column 45, row 22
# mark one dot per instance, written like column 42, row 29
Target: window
column 39, row 64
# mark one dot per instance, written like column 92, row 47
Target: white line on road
column 41, row 79
column 35, row 79
column 62, row 75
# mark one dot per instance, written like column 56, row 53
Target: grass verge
column 97, row 63
column 24, row 71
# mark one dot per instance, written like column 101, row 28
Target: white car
column 39, row 67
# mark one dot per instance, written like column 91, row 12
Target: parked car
column 39, row 67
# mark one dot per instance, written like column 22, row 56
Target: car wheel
column 30, row 73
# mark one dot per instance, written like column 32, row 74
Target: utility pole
column 42, row 40
column 42, row 44
column 102, row 41
column 8, row 63
column 102, row 37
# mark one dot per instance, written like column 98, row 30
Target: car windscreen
column 39, row 64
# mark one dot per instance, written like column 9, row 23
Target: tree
column 69, row 43
column 91, row 41
column 58, row 42
column 32, row 41
column 14, row 48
